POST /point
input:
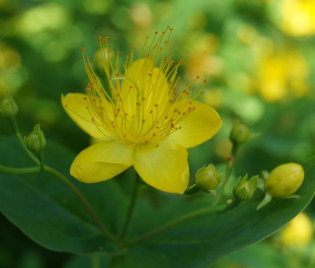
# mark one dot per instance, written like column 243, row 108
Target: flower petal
column 75, row 106
column 198, row 127
column 102, row 161
column 146, row 84
column 164, row 167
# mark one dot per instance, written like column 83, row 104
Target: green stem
column 96, row 261
column 231, row 160
column 83, row 200
column 185, row 217
column 131, row 205
column 21, row 140
column 41, row 159
column 19, row 171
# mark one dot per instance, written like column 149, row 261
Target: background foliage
column 257, row 56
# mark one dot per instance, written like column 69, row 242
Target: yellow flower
column 282, row 74
column 141, row 119
column 298, row 232
column 298, row 17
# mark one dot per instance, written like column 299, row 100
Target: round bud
column 207, row 178
column 285, row 180
column 244, row 190
column 8, row 106
column 239, row 133
column 36, row 141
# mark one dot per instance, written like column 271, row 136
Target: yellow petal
column 102, row 161
column 164, row 167
column 75, row 106
column 144, row 83
column 198, row 127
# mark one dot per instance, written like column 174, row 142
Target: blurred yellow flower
column 298, row 17
column 201, row 59
column 142, row 120
column 298, row 232
column 282, row 74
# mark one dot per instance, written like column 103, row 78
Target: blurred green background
column 258, row 58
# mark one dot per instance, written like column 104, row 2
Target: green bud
column 239, row 133
column 36, row 141
column 8, row 106
column 245, row 189
column 284, row 180
column 207, row 178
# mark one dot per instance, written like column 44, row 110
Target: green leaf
column 200, row 241
column 48, row 212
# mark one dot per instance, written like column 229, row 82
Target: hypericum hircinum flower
column 141, row 119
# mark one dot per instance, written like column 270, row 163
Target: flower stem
column 231, row 160
column 21, row 141
column 19, row 171
column 185, row 217
column 83, row 200
column 131, row 205
column 96, row 261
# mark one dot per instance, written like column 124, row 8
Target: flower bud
column 285, row 180
column 8, row 106
column 245, row 189
column 239, row 133
column 207, row 178
column 36, row 141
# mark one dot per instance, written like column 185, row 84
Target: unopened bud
column 8, row 106
column 207, row 178
column 36, row 141
column 285, row 180
column 239, row 133
column 245, row 189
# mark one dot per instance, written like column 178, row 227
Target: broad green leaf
column 200, row 241
column 48, row 212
